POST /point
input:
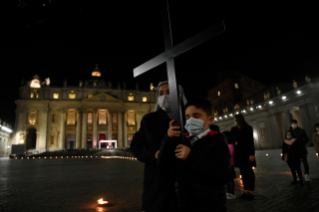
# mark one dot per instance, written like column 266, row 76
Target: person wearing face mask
column 315, row 138
column 303, row 140
column 204, row 156
column 158, row 187
column 292, row 154
column 244, row 157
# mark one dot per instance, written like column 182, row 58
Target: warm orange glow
column 56, row 156
column 317, row 154
column 45, row 157
column 15, row 157
column 22, row 158
column 39, row 157
column 72, row 156
column 91, row 156
column 50, row 157
column 61, row 156
column 101, row 202
column 240, row 176
column 67, row 156
column 28, row 158
column 281, row 154
column 32, row 157
column 266, row 155
column 253, row 167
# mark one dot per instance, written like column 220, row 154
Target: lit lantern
column 102, row 203
column 266, row 155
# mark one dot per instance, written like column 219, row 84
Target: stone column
column 84, row 129
column 109, row 125
column 78, row 129
column 43, row 130
column 119, row 130
column 125, row 136
column 285, row 117
column 21, row 122
column 275, row 134
column 95, row 143
column 139, row 116
column 62, row 129
column 307, row 121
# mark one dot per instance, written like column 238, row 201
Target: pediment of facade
column 103, row 97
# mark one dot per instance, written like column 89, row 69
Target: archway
column 31, row 138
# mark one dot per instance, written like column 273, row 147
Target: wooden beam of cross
column 172, row 52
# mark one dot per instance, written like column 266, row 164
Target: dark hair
column 292, row 134
column 227, row 135
column 201, row 103
column 241, row 121
column 316, row 125
column 294, row 121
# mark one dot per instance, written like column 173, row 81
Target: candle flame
column 101, row 202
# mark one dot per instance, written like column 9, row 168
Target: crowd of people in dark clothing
column 195, row 171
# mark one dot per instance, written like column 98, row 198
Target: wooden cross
column 168, row 57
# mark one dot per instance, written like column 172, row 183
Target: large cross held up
column 172, row 52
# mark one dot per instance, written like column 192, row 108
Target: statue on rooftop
column 278, row 91
column 80, row 83
column 308, row 80
column 294, row 84
column 47, row 81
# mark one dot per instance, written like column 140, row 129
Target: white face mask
column 164, row 102
column 293, row 126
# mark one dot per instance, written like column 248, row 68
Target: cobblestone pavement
column 77, row 184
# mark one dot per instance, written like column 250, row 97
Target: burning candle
column 50, row 157
column 317, row 154
column 72, row 156
column 61, row 156
column 91, row 156
column 82, row 156
column 39, row 157
column 86, row 156
column 45, row 157
column 16, row 158
column 266, row 155
column 102, row 203
column 240, row 176
column 281, row 154
column 32, row 157
column 253, row 167
column 95, row 156
column 21, row 158
column 56, row 157
column 28, row 158
column 67, row 156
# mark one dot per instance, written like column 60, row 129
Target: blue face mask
column 194, row 126
column 289, row 137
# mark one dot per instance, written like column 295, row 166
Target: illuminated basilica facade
column 92, row 115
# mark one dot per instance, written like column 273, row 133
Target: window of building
column 53, row 118
column 131, row 118
column 218, row 93
column 236, row 85
column 102, row 117
column 90, row 117
column 55, row 96
column 72, row 95
column 263, row 133
column 114, row 119
column 71, row 118
column 34, row 94
column 144, row 99
column 32, row 118
column 90, row 95
column 130, row 98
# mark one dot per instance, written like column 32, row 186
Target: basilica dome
column 96, row 71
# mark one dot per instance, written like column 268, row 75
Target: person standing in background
column 303, row 140
column 244, row 157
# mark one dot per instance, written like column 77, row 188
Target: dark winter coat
column 244, row 145
column 158, row 188
column 294, row 152
column 302, row 138
column 205, row 172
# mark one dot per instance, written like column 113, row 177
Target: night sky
column 269, row 43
